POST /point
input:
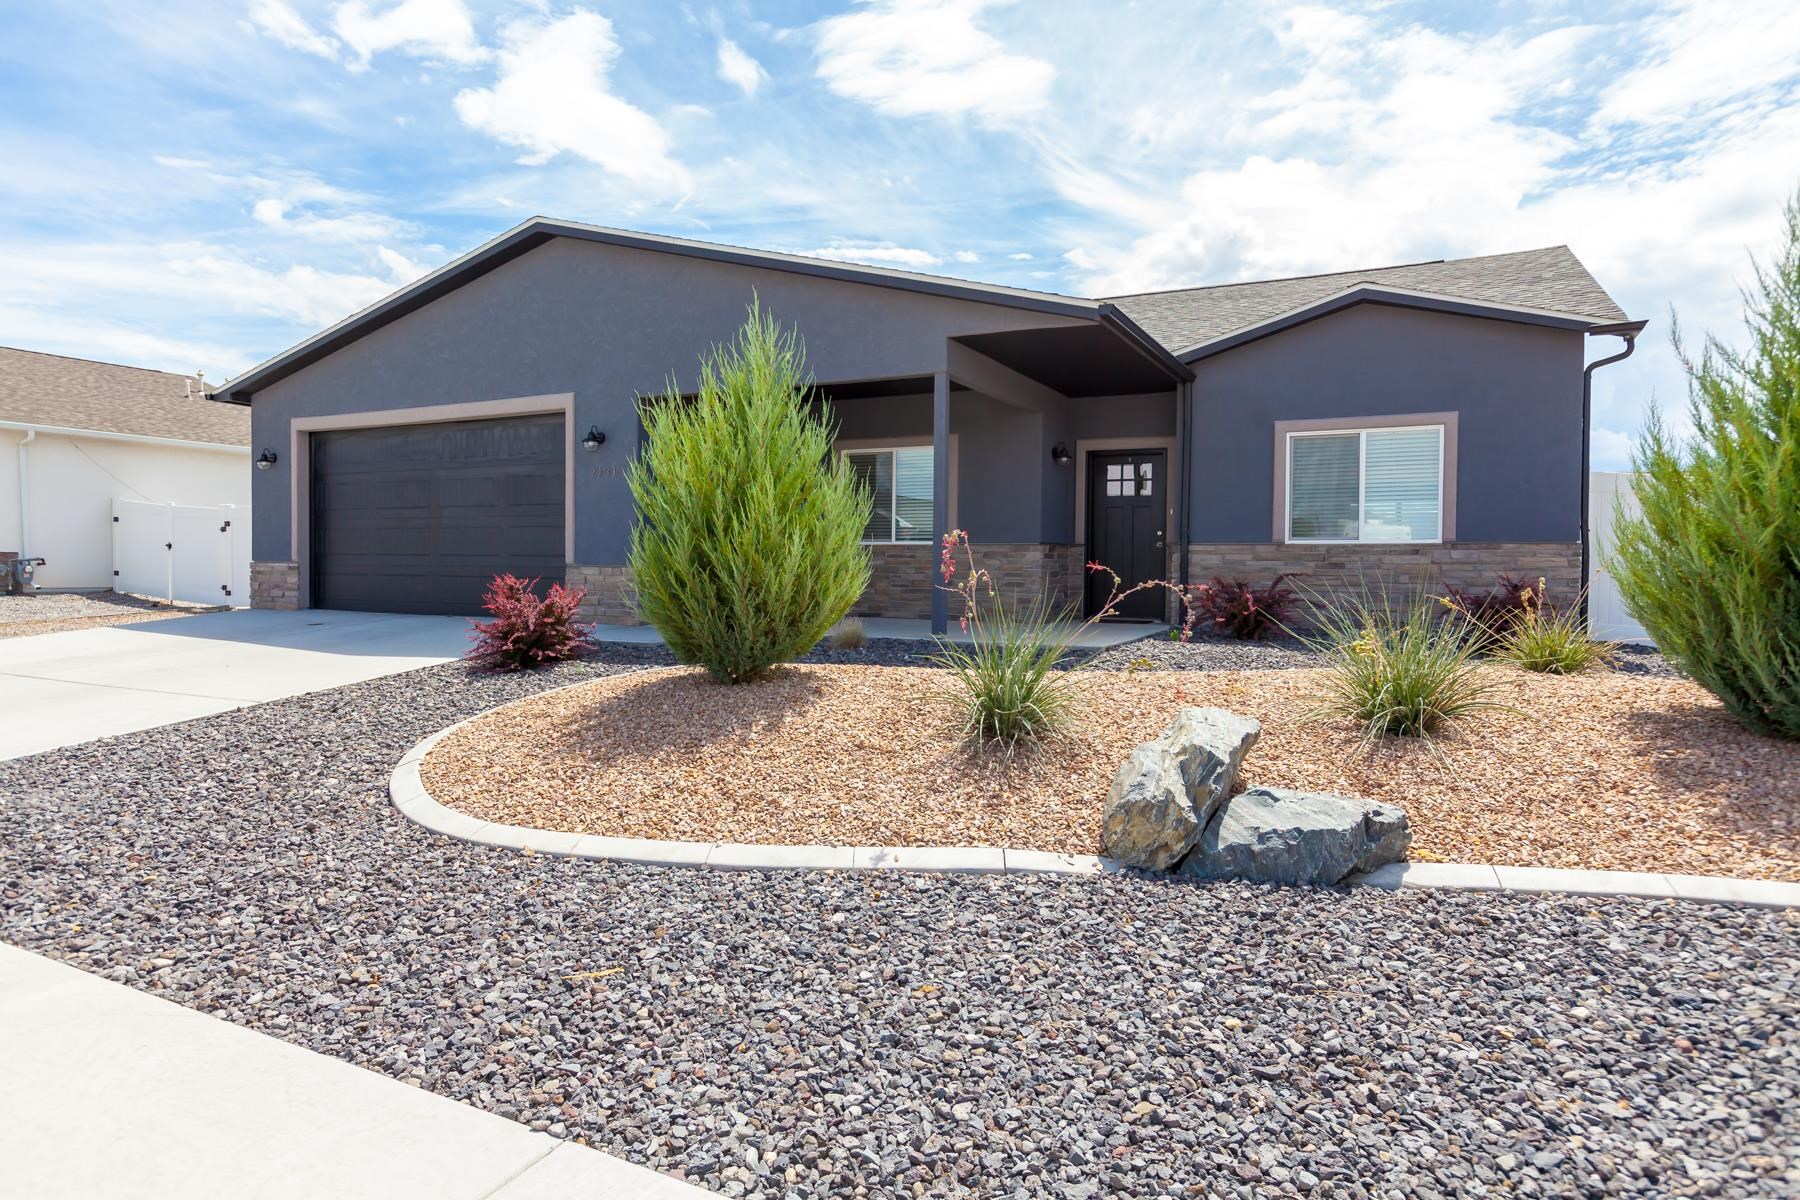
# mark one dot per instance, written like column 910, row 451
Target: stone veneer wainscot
column 901, row 576
column 275, row 585
column 1398, row 570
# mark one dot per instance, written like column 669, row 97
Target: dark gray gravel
column 887, row 1035
column 1631, row 659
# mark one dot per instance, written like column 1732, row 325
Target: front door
column 1126, row 510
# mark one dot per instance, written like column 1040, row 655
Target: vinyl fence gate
column 185, row 553
column 1607, row 616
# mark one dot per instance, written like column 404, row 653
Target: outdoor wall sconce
column 265, row 460
column 594, row 439
column 1059, row 454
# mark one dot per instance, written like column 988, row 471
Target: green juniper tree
column 748, row 546
column 1712, row 567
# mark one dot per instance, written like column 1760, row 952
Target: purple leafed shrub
column 528, row 631
column 1491, row 614
column 1232, row 608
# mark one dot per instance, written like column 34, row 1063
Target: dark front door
column 1126, row 507
column 418, row 518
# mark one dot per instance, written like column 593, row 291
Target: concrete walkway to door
column 62, row 689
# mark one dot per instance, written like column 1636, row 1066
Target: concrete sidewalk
column 62, row 689
column 106, row 1091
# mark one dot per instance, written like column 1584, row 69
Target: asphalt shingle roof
column 1551, row 278
column 74, row 393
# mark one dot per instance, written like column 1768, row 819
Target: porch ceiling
column 1078, row 360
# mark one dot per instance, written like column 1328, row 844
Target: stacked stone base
column 610, row 599
column 275, row 585
column 1399, row 573
column 901, row 577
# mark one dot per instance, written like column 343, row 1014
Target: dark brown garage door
column 418, row 518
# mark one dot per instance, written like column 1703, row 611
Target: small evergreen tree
column 748, row 546
column 1712, row 567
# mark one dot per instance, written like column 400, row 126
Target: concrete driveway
column 61, row 689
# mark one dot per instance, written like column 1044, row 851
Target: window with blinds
column 900, row 480
column 1368, row 485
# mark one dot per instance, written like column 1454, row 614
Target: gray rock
column 1277, row 835
column 1149, row 820
column 1167, row 790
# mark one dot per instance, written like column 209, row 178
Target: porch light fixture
column 594, row 439
column 1059, row 454
column 265, row 460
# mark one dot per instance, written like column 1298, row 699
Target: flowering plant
column 1008, row 682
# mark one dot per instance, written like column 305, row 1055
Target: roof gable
column 76, row 393
column 1551, row 280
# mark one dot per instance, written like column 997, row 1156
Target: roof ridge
column 1423, row 262
column 101, row 362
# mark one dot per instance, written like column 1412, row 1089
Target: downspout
column 1628, row 330
column 25, row 494
column 1184, row 400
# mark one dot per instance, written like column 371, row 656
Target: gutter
column 1629, row 330
column 31, row 430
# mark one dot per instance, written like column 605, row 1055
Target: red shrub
column 1491, row 613
column 528, row 631
column 1235, row 609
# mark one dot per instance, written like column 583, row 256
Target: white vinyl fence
column 178, row 552
column 1607, row 617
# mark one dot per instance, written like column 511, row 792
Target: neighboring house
column 1414, row 420
column 75, row 435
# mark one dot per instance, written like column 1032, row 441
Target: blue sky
column 203, row 184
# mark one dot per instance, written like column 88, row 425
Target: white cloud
column 877, row 254
column 552, row 96
column 1611, row 449
column 966, row 256
column 401, row 269
column 434, row 30
column 1020, row 256
column 275, row 19
column 191, row 275
column 352, row 227
column 929, row 57
column 738, row 68
column 1702, row 57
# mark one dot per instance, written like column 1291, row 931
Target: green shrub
column 748, row 546
column 1712, row 566
column 1005, row 682
column 1555, row 641
column 1407, row 672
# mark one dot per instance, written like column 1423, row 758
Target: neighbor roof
column 1547, row 280
column 76, row 393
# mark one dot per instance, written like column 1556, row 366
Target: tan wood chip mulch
column 1602, row 770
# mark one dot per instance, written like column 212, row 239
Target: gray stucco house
column 1411, row 420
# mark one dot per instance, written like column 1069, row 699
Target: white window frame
column 893, row 514
column 1362, row 481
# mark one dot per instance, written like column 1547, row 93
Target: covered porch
column 1052, row 447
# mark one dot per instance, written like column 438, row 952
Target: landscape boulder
column 1166, row 791
column 1277, row 835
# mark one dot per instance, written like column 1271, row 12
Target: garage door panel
column 420, row 518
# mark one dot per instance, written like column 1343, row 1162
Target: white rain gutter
column 32, row 429
column 25, row 493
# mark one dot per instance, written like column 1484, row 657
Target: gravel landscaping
column 833, row 1035
column 846, row 755
column 817, row 1035
column 54, row 612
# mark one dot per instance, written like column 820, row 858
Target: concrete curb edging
column 408, row 793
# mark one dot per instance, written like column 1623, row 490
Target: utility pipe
column 25, row 494
column 1628, row 330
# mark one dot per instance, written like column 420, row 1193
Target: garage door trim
column 300, row 430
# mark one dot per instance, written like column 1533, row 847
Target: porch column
column 940, row 495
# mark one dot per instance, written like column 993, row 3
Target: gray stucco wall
column 1516, row 388
column 605, row 323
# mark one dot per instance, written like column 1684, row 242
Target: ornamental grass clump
column 748, row 546
column 1010, row 684
column 1406, row 671
column 1711, row 565
column 1550, row 640
column 529, row 631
